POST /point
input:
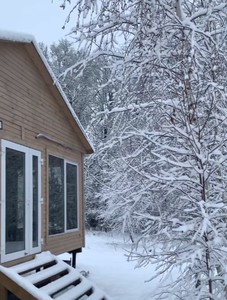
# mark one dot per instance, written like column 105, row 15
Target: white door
column 21, row 201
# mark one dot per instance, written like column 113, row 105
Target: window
column 63, row 196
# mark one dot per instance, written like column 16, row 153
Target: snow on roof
column 6, row 35
column 30, row 39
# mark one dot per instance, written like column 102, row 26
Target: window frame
column 66, row 161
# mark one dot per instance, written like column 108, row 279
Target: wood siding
column 28, row 107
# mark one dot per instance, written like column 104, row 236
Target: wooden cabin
column 42, row 148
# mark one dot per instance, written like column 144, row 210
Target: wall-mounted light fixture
column 1, row 124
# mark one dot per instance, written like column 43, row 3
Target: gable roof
column 41, row 63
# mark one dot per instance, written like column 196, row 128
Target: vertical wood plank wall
column 28, row 108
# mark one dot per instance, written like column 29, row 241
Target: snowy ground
column 105, row 257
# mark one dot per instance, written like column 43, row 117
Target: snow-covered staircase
column 47, row 277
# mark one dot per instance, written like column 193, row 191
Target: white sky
column 41, row 18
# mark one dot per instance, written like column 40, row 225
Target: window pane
column 71, row 196
column 35, row 201
column 56, row 195
column 15, row 201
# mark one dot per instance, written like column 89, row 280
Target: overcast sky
column 41, row 18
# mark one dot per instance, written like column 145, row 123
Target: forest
column 147, row 79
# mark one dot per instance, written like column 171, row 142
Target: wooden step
column 59, row 284
column 41, row 260
column 75, row 292
column 47, row 277
column 96, row 295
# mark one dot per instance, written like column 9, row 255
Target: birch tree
column 166, row 153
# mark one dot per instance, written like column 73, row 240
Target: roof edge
column 25, row 38
column 6, row 35
column 58, row 86
column 30, row 39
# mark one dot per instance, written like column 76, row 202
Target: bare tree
column 166, row 153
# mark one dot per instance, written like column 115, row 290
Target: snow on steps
column 47, row 277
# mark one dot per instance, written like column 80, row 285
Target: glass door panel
column 15, row 201
column 21, row 201
column 35, row 206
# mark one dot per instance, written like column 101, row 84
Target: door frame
column 29, row 153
